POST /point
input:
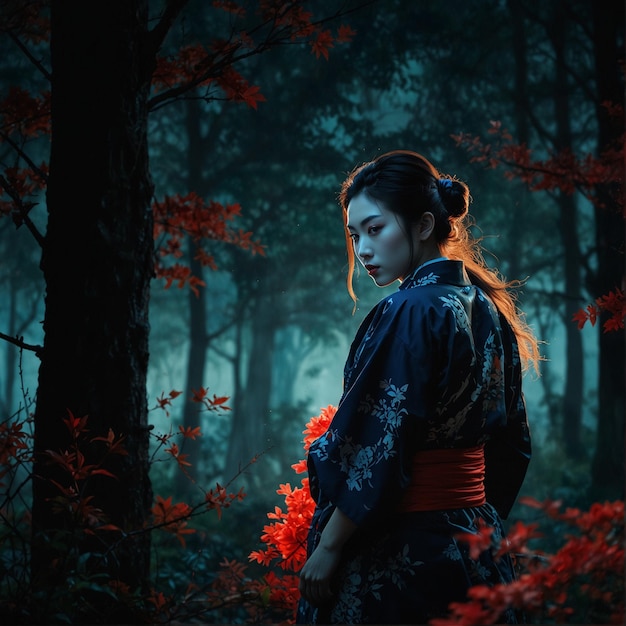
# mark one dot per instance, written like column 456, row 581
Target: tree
column 568, row 224
column 598, row 177
column 97, row 264
column 291, row 209
column 97, row 252
column 608, row 470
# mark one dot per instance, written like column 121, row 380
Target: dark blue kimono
column 432, row 366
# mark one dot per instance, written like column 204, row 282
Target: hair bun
column 454, row 195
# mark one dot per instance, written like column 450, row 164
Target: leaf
column 252, row 96
column 478, row 542
column 199, row 395
column 219, row 400
column 581, row 316
column 109, row 527
column 103, row 472
column 614, row 323
column 75, row 425
column 189, row 432
column 322, row 43
column 345, row 34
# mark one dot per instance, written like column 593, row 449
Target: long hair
column 407, row 184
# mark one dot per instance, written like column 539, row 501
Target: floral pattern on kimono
column 432, row 366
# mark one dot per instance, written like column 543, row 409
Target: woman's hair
column 408, row 185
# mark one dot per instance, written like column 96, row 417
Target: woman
column 430, row 438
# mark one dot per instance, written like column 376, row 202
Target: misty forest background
column 271, row 331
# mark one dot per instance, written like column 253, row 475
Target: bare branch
column 20, row 213
column 46, row 74
column 19, row 342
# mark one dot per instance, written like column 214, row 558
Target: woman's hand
column 317, row 574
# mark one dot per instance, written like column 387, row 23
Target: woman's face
column 380, row 241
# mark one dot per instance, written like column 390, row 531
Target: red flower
column 286, row 537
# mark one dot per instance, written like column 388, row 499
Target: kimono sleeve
column 508, row 452
column 362, row 463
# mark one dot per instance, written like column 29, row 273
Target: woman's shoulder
column 411, row 304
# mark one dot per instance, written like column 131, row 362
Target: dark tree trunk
column 568, row 227
column 521, row 104
column 608, row 473
column 97, row 264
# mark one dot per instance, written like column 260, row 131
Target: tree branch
column 20, row 213
column 46, row 74
column 157, row 35
column 277, row 35
column 19, row 342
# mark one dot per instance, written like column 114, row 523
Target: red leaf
column 104, row 472
column 581, row 316
column 345, row 34
column 190, row 433
column 252, row 96
column 322, row 43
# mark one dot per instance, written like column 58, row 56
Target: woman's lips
column 371, row 269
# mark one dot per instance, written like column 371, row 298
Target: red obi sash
column 446, row 479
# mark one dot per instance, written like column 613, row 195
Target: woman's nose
column 364, row 251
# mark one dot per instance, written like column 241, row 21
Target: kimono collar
column 441, row 270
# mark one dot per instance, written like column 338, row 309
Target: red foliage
column 212, row 65
column 216, row 403
column 584, row 578
column 568, row 173
column 172, row 517
column 322, row 43
column 25, row 115
column 477, row 542
column 220, row 499
column 178, row 217
column 77, row 472
column 563, row 170
column 612, row 303
column 15, row 447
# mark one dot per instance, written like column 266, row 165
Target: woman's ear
column 425, row 226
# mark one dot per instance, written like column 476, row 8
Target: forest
column 174, row 315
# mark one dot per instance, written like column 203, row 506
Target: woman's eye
column 354, row 237
column 372, row 230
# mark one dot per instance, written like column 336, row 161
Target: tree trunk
column 608, row 473
column 198, row 337
column 568, row 227
column 196, row 367
column 97, row 264
column 248, row 437
column 521, row 193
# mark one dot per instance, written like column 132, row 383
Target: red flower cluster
column 286, row 536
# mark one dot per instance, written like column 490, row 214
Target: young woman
column 430, row 438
